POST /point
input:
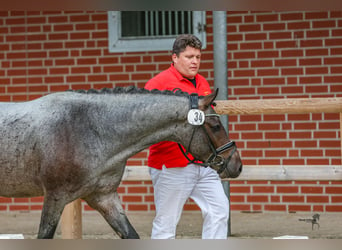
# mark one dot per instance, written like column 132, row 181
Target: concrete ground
column 243, row 225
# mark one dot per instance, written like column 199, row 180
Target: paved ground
column 243, row 225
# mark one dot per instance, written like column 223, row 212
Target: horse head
column 209, row 142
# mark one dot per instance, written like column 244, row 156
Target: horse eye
column 216, row 128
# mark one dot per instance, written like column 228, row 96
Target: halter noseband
column 215, row 158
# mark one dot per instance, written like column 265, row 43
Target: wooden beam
column 341, row 132
column 264, row 172
column 279, row 106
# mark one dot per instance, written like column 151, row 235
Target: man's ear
column 174, row 57
column 205, row 102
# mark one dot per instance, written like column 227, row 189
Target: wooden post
column 341, row 133
column 71, row 221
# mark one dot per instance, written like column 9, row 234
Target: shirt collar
column 177, row 74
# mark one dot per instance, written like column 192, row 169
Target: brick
column 271, row 161
column 244, row 55
column 18, row 207
column 310, row 80
column 275, row 207
column 317, row 33
column 311, row 43
column 131, row 198
column 275, row 153
column 268, row 54
column 294, row 198
column 286, row 44
column 273, row 81
column 316, row 70
column 312, row 152
column 240, row 207
column 291, row 16
column 86, row 61
column 62, row 27
column 333, row 208
column 263, row 189
column 328, row 125
column 15, row 21
column 251, row 153
column 54, row 79
column 137, row 207
column 302, row 208
column 240, row 189
column 324, row 24
column 250, row 46
column 305, row 144
column 332, row 60
column 249, row 27
column 280, row 35
column 275, row 198
column 57, row 19
column 298, row 25
column 291, row 71
column 273, row 26
column 257, row 198
column 268, row 72
column 80, row 18
column 5, row 200
column 292, row 53
column 255, row 36
column 275, row 135
column 267, row 17
column 292, row 90
column 316, row 15
column 269, row 126
column 300, row 135
column 58, row 36
column 287, row 189
column 316, row 89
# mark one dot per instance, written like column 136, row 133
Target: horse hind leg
column 51, row 213
column 110, row 208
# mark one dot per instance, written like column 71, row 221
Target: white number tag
column 196, row 117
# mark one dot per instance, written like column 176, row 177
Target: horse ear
column 205, row 102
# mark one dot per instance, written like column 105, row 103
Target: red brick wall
column 270, row 55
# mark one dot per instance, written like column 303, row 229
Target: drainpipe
column 221, row 76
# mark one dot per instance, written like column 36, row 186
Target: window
column 131, row 31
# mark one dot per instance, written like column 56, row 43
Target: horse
column 70, row 145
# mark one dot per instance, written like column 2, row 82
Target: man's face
column 188, row 62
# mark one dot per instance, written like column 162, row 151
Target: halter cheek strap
column 193, row 101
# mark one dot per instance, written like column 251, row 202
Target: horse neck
column 140, row 120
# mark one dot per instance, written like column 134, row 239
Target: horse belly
column 18, row 182
column 19, row 155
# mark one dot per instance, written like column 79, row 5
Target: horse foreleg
column 51, row 213
column 110, row 208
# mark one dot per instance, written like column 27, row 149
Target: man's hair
column 184, row 40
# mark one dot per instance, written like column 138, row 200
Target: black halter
column 215, row 158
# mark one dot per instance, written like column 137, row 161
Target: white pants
column 172, row 188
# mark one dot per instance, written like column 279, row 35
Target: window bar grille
column 176, row 22
column 157, row 22
column 182, row 21
column 163, row 23
column 170, row 22
column 147, row 31
column 151, row 23
column 189, row 22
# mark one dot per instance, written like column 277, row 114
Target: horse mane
column 131, row 90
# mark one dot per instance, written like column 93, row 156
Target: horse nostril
column 240, row 168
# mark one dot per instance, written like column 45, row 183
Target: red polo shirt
column 166, row 152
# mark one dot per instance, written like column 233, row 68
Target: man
column 174, row 179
